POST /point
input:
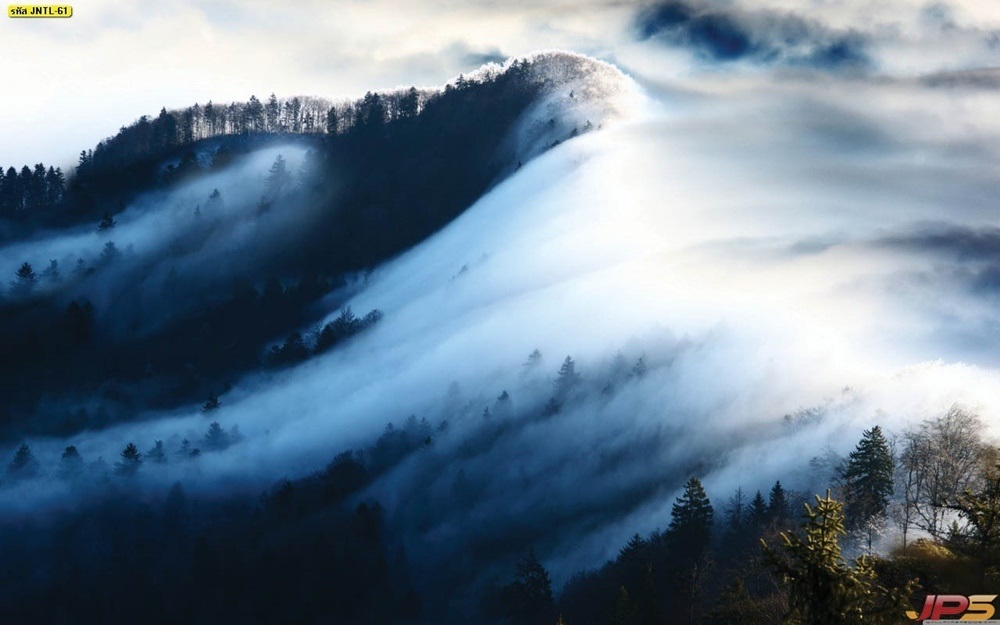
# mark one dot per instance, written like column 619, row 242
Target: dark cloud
column 982, row 78
column 967, row 257
column 958, row 242
column 766, row 37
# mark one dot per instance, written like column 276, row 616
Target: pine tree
column 639, row 369
column 777, row 504
column 625, row 609
column 736, row 512
column 568, row 377
column 273, row 112
column 26, row 279
column 130, row 461
column 822, row 588
column 634, row 550
column 528, row 599
column 26, row 274
column 757, row 515
column 211, row 404
column 867, row 478
column 23, row 466
column 157, row 453
column 71, row 463
column 691, row 519
column 216, row 438
column 110, row 253
column 332, row 121
column 534, row 359
column 51, row 273
column 278, row 177
column 409, row 104
column 107, row 222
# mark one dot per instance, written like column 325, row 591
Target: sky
column 76, row 81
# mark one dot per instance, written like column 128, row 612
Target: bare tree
column 938, row 461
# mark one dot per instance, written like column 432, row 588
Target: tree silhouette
column 777, row 504
column 528, row 599
column 130, row 461
column 211, row 404
column 691, row 518
column 867, row 478
column 23, row 465
column 216, row 438
column 157, row 453
column 278, row 177
column 71, row 463
column 757, row 514
column 107, row 222
column 26, row 274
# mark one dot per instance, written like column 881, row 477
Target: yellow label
column 39, row 10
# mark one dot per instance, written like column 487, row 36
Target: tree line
column 34, row 188
column 757, row 562
column 770, row 557
column 149, row 136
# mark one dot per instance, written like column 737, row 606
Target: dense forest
column 904, row 515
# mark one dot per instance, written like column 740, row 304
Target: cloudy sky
column 76, row 81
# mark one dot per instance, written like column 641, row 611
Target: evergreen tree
column 216, row 438
column 332, row 121
column 568, row 377
column 634, row 550
column 51, row 273
column 534, row 359
column 867, row 478
column 110, row 252
column 691, row 519
column 639, row 369
column 25, row 279
column 409, row 104
column 130, row 462
column 757, row 515
column 23, row 465
column 278, row 178
column 107, row 222
column 157, row 453
column 736, row 512
column 528, row 599
column 211, row 404
column 54, row 185
column 625, row 609
column 777, row 504
column 71, row 463
column 273, row 113
column 23, row 188
column 822, row 588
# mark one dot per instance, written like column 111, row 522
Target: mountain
column 477, row 366
column 199, row 247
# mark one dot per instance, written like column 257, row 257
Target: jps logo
column 971, row 608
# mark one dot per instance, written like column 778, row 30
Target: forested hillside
column 379, row 175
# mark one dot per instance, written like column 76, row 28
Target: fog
column 795, row 257
column 183, row 234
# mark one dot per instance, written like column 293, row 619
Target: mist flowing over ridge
column 646, row 281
